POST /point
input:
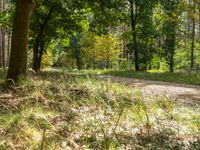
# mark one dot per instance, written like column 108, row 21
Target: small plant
column 140, row 112
column 109, row 144
column 3, row 146
column 167, row 106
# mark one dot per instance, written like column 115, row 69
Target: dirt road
column 186, row 93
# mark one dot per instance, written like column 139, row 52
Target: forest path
column 189, row 94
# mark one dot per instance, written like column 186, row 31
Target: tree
column 170, row 28
column 99, row 51
column 193, row 34
column 142, row 30
column 1, row 38
column 88, row 49
column 18, row 56
column 134, row 18
column 52, row 20
column 108, row 50
column 74, row 50
column 6, row 15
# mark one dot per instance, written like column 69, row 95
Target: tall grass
column 57, row 110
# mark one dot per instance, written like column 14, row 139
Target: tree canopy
column 148, row 34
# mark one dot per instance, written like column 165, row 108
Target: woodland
column 99, row 74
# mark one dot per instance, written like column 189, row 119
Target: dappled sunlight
column 85, row 112
column 99, row 75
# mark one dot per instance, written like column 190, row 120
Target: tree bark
column 38, row 47
column 170, row 30
column 18, row 56
column 133, row 27
column 35, row 55
column 171, row 63
column 3, row 40
column 9, row 45
column 3, row 48
column 193, row 37
column 1, row 35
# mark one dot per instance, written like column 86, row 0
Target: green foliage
column 66, row 60
column 99, row 51
column 47, row 59
column 183, row 51
column 162, row 31
column 6, row 17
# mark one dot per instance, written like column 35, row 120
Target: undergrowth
column 56, row 110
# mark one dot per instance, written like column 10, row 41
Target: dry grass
column 59, row 111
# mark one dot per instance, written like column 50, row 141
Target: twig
column 43, row 138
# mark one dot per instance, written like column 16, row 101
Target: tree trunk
column 9, row 45
column 37, row 47
column 35, row 55
column 171, row 63
column 3, row 48
column 3, row 40
column 18, row 56
column 1, row 35
column 193, row 37
column 133, row 27
column 9, row 36
column 79, row 63
column 170, row 30
column 38, row 53
column 41, row 54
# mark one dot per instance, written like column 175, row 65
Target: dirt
column 189, row 94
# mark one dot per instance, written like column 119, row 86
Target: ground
column 61, row 110
column 187, row 93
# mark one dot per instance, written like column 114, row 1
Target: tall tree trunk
column 1, row 35
column 3, row 40
column 198, row 6
column 42, row 44
column 37, row 48
column 198, row 23
column 3, row 48
column 170, row 29
column 133, row 28
column 9, row 45
column 193, row 37
column 9, row 42
column 18, row 56
column 36, row 55
column 170, row 44
column 171, row 63
column 124, row 50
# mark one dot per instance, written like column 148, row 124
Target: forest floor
column 62, row 110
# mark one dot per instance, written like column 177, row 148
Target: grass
column 2, row 75
column 58, row 110
column 182, row 77
column 192, row 78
